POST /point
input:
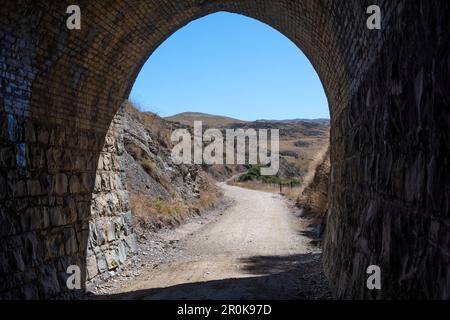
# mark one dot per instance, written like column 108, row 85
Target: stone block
column 61, row 184
column 54, row 246
column 122, row 253
column 30, row 133
column 110, row 231
column 61, row 216
column 39, row 218
column 48, row 284
column 19, row 189
column 91, row 266
column 34, row 187
column 101, row 262
column 43, row 135
column 87, row 182
column 74, row 185
column 3, row 187
column 54, row 159
column 36, row 157
column 71, row 245
column 112, row 259
column 57, row 137
column 130, row 242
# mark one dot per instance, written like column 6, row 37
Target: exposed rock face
column 176, row 190
column 148, row 144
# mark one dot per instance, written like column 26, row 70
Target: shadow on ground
column 269, row 278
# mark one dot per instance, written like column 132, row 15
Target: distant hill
column 300, row 139
column 209, row 120
column 320, row 121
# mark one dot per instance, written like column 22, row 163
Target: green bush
column 253, row 174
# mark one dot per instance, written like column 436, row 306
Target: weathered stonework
column 45, row 209
column 388, row 96
column 111, row 237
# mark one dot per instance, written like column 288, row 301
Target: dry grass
column 292, row 193
column 149, row 166
column 144, row 206
column 151, row 213
column 307, row 152
column 152, row 170
column 314, row 196
column 156, row 213
column 319, row 159
column 208, row 198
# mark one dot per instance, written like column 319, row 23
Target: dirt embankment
column 313, row 198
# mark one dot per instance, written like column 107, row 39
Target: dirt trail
column 254, row 250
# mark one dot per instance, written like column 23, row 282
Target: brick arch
column 60, row 90
column 116, row 39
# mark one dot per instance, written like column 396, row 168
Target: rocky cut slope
column 138, row 189
column 162, row 193
column 313, row 199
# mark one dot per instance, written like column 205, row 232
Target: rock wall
column 390, row 156
column 111, row 237
column 45, row 196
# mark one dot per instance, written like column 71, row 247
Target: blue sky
column 228, row 64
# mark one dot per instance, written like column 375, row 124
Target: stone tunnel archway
column 389, row 102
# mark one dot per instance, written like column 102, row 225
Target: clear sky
column 228, row 64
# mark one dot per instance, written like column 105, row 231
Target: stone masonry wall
column 390, row 180
column 45, row 206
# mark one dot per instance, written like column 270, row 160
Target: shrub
column 254, row 173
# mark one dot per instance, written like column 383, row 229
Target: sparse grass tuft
column 150, row 167
column 209, row 198
column 154, row 213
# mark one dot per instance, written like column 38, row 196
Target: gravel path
column 253, row 248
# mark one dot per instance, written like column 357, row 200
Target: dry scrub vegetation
column 160, row 129
column 155, row 213
column 313, row 199
column 162, row 194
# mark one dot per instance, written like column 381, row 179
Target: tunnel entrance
column 388, row 97
column 167, row 190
